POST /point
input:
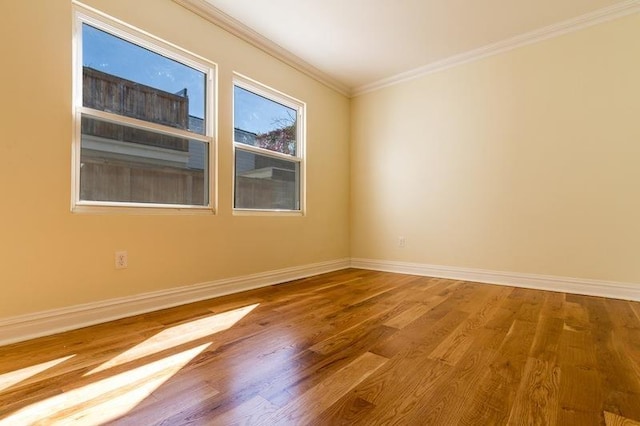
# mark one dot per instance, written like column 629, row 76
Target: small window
column 268, row 145
column 143, row 126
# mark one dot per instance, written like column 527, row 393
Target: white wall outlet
column 122, row 260
column 402, row 242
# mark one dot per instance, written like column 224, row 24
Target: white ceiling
column 360, row 42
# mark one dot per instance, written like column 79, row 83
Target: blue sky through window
column 113, row 55
column 257, row 114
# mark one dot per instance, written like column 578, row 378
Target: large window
column 268, row 145
column 143, row 120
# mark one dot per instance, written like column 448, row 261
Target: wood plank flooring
column 352, row 347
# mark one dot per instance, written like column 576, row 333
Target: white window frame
column 300, row 157
column 86, row 15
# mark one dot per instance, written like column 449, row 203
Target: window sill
column 256, row 212
column 141, row 210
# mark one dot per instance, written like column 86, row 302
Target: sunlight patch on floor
column 106, row 399
column 14, row 377
column 178, row 335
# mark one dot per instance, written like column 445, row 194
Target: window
column 143, row 114
column 268, row 146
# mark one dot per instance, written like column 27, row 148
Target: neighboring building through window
column 268, row 145
column 144, row 133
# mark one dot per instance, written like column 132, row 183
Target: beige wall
column 528, row 161
column 51, row 258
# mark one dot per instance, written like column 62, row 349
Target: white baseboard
column 24, row 327
column 29, row 326
column 611, row 289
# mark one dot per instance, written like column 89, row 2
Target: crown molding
column 217, row 17
column 214, row 15
column 601, row 15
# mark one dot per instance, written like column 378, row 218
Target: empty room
column 221, row 212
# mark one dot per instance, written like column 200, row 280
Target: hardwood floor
column 349, row 347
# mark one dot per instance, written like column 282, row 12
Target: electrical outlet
column 122, row 260
column 402, row 242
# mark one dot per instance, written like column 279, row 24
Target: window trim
column 83, row 14
column 300, row 107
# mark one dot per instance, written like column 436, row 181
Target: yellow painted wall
column 527, row 161
column 51, row 258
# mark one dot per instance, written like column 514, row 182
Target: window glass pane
column 125, row 164
column 126, row 79
column 264, row 182
column 264, row 123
